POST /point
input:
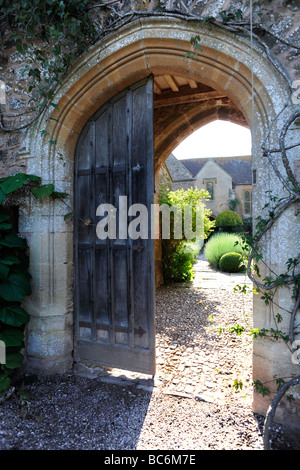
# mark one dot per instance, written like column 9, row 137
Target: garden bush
column 232, row 263
column 14, row 275
column 178, row 264
column 14, row 286
column 228, row 220
column 221, row 243
column 178, row 254
column 247, row 225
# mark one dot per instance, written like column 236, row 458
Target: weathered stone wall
column 280, row 16
column 12, row 106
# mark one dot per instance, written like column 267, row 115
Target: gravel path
column 191, row 405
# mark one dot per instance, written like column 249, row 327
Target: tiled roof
column 177, row 170
column 239, row 168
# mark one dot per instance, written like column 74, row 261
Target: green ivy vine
column 49, row 35
column 14, row 274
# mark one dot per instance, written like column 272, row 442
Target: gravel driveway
column 191, row 404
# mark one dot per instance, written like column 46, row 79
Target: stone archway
column 147, row 46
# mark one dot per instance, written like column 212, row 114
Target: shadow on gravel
column 182, row 314
column 74, row 413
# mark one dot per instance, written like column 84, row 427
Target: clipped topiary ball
column 228, row 218
column 231, row 263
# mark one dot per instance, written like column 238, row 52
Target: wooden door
column 114, row 278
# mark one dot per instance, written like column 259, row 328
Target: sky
column 217, row 139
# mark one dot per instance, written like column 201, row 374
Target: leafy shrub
column 194, row 247
column 14, row 276
column 233, row 203
column 232, row 263
column 178, row 265
column 228, row 219
column 221, row 243
column 247, row 223
column 178, row 254
column 180, row 199
column 14, row 286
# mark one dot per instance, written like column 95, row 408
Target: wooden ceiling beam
column 192, row 83
column 175, row 99
column 172, row 83
column 157, row 89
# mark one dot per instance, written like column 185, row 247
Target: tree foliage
column 14, row 275
column 177, row 255
column 228, row 219
column 49, row 35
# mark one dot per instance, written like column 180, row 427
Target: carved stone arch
column 158, row 46
column 146, row 46
column 172, row 127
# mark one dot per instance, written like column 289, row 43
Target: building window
column 209, row 186
column 248, row 202
column 210, row 189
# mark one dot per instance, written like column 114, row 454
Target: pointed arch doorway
column 156, row 46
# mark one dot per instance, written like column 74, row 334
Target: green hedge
column 232, row 263
column 178, row 264
column 221, row 243
column 228, row 219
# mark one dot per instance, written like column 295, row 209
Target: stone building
column 226, row 179
column 143, row 88
column 180, row 176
